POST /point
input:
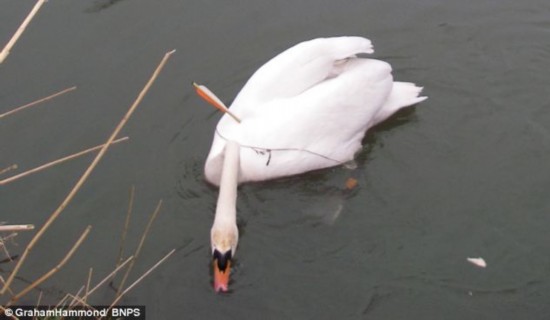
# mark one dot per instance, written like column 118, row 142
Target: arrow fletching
column 211, row 98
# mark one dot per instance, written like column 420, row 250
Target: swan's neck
column 226, row 208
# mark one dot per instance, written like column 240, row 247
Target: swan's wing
column 298, row 69
column 321, row 127
column 329, row 117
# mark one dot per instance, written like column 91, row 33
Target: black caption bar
column 84, row 313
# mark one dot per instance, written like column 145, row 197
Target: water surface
column 464, row 174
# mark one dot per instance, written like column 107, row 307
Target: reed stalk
column 143, row 276
column 138, row 250
column 88, row 283
column 86, row 174
column 126, row 225
column 50, row 273
column 12, row 167
column 108, row 277
column 3, row 313
column 16, row 227
column 56, row 162
column 28, row 105
column 39, row 299
column 74, row 297
column 6, row 51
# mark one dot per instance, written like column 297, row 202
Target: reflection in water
column 327, row 210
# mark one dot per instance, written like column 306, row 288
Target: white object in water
column 480, row 262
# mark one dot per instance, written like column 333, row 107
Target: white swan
column 306, row 109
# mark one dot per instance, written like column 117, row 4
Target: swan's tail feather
column 403, row 94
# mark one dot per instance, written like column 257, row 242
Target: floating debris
column 480, row 262
column 351, row 183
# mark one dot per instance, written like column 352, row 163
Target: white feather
column 480, row 262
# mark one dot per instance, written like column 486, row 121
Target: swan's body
column 306, row 109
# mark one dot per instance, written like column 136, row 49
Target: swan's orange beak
column 221, row 277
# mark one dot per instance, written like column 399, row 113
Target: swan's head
column 223, row 239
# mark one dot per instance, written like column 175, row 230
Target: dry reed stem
column 16, row 227
column 88, row 282
column 62, row 301
column 141, row 242
column 109, row 276
column 56, row 162
column 126, row 225
column 3, row 313
column 28, row 105
column 9, row 257
column 79, row 300
column 7, row 254
column 75, row 296
column 130, row 287
column 86, row 174
column 12, row 167
column 2, row 280
column 39, row 300
column 8, row 237
column 6, row 51
column 48, row 274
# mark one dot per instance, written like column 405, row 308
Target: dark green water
column 464, row 174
